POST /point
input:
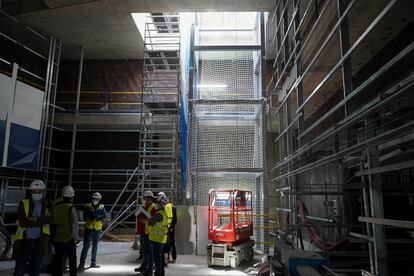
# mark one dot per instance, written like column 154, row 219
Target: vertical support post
column 344, row 41
column 73, row 145
column 377, row 211
column 265, row 189
column 299, row 101
column 45, row 109
column 3, row 196
column 367, row 213
column 9, row 116
column 54, row 76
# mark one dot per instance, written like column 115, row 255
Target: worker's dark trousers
column 146, row 246
column 158, row 255
column 62, row 249
column 32, row 254
column 173, row 249
column 170, row 247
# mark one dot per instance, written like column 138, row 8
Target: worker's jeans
column 67, row 249
column 147, row 249
column 158, row 255
column 31, row 253
column 91, row 236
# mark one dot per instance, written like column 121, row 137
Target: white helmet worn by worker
column 162, row 198
column 97, row 196
column 148, row 194
column 37, row 185
column 68, row 191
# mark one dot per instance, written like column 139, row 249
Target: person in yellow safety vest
column 65, row 233
column 32, row 240
column 143, row 215
column 158, row 233
column 170, row 247
column 94, row 214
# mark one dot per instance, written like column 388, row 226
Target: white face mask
column 95, row 202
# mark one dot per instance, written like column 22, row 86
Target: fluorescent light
column 212, row 86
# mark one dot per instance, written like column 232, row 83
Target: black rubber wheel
column 5, row 242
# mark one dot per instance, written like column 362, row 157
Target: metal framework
column 336, row 153
column 227, row 112
column 157, row 168
column 17, row 179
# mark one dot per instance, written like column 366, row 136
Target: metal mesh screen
column 226, row 124
column 227, row 75
column 226, row 137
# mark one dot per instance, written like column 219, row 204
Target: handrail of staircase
column 111, row 225
column 123, row 190
column 140, row 185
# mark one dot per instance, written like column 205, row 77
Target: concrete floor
column 117, row 258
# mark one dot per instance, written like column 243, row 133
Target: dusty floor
column 119, row 259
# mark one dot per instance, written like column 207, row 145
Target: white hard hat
column 162, row 198
column 97, row 196
column 148, row 194
column 37, row 185
column 68, row 191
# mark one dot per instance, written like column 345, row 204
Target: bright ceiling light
column 212, row 86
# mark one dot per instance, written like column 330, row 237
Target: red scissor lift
column 230, row 227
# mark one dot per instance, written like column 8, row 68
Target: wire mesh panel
column 226, row 123
column 226, row 137
column 227, row 75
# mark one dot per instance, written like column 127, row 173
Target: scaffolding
column 157, row 168
column 227, row 111
column 20, row 42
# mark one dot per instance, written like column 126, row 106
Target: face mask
column 37, row 197
column 95, row 202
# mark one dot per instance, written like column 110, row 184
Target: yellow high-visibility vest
column 158, row 232
column 169, row 211
column 21, row 230
column 152, row 206
column 94, row 224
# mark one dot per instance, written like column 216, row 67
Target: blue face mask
column 37, row 197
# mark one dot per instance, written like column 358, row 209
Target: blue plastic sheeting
column 23, row 147
column 2, row 137
column 315, row 263
column 183, row 129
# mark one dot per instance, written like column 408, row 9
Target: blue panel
column 23, row 147
column 315, row 263
column 2, row 137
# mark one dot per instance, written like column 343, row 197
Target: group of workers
column 51, row 229
column 156, row 228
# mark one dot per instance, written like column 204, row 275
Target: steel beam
column 388, row 222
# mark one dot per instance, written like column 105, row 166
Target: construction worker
column 65, row 233
column 158, row 234
column 170, row 247
column 148, row 211
column 34, row 215
column 94, row 214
